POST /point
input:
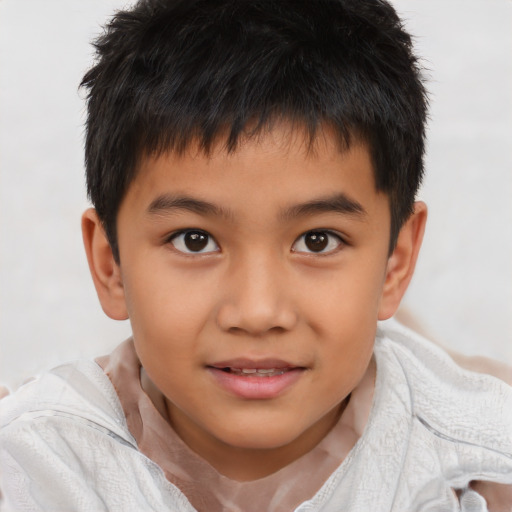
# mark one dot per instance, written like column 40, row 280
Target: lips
column 255, row 379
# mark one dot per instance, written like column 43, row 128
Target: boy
column 253, row 167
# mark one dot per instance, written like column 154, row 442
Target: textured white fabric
column 433, row 428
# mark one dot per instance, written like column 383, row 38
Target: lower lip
column 256, row 388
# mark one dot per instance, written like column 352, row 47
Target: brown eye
column 316, row 241
column 194, row 241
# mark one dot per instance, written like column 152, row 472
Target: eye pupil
column 316, row 241
column 195, row 240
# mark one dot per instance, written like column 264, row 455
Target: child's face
column 267, row 258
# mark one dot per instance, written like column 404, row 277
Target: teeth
column 259, row 372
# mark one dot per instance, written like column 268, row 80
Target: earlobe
column 402, row 261
column 105, row 272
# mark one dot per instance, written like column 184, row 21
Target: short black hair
column 170, row 73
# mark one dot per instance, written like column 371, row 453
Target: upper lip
column 257, row 364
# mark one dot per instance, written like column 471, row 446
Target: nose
column 258, row 299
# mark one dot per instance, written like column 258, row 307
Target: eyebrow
column 337, row 203
column 168, row 203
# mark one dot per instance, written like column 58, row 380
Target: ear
column 402, row 261
column 105, row 272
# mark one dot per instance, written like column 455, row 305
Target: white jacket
column 433, row 427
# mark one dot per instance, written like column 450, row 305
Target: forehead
column 275, row 169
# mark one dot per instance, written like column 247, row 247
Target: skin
column 257, row 291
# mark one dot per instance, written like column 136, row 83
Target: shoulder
column 64, row 442
column 62, row 410
column 452, row 398
column 60, row 415
column 461, row 419
column 79, row 391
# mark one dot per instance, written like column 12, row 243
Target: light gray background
column 462, row 291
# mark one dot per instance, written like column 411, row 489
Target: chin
column 259, row 437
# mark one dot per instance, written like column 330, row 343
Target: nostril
column 277, row 329
column 236, row 330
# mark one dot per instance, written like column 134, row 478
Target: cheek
column 167, row 314
column 343, row 313
column 347, row 299
column 160, row 296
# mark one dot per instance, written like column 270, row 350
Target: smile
column 255, row 380
column 256, row 372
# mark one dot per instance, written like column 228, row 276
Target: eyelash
column 205, row 240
